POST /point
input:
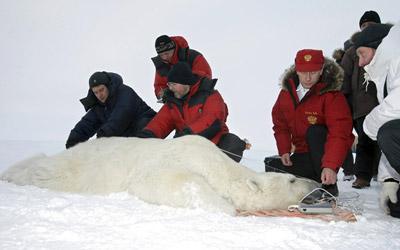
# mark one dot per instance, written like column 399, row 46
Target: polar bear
column 189, row 171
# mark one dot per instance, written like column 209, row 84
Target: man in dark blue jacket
column 113, row 109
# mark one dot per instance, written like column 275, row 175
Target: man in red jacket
column 193, row 107
column 312, row 116
column 172, row 50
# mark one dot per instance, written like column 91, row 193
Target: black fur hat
column 370, row 16
column 371, row 36
column 98, row 78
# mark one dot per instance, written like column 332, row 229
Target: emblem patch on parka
column 312, row 119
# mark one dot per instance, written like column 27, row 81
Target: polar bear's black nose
column 293, row 180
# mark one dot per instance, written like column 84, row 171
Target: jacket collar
column 332, row 77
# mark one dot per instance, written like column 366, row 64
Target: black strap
column 385, row 92
column 391, row 180
column 212, row 130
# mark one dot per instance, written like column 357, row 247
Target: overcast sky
column 49, row 49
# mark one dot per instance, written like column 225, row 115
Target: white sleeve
column 387, row 110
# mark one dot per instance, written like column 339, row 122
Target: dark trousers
column 302, row 166
column 308, row 164
column 348, row 164
column 232, row 146
column 389, row 142
column 367, row 153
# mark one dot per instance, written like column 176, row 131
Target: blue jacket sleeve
column 84, row 129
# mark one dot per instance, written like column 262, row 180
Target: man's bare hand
column 285, row 158
column 328, row 176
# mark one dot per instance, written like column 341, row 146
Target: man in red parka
column 172, row 50
column 193, row 107
column 312, row 115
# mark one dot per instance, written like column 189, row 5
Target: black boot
column 395, row 207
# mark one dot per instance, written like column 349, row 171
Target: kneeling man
column 113, row 109
column 312, row 115
column 193, row 106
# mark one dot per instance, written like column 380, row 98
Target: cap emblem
column 307, row 58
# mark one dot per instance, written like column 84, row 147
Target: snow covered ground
column 33, row 218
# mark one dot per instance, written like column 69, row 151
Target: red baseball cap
column 308, row 60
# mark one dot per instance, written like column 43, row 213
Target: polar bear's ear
column 253, row 185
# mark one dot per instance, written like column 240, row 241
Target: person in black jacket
column 113, row 109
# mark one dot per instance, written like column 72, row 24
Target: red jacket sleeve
column 281, row 126
column 161, row 125
column 340, row 125
column 213, row 109
column 201, row 67
column 159, row 83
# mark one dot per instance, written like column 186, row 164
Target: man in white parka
column 378, row 47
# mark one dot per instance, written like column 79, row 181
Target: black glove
column 73, row 139
column 145, row 133
column 100, row 133
column 185, row 131
column 70, row 143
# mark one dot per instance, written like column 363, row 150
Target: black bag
column 271, row 162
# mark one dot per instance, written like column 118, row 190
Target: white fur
column 186, row 172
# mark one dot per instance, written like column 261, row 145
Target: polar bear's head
column 270, row 191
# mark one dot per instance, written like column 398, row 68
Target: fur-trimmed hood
column 332, row 76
